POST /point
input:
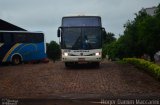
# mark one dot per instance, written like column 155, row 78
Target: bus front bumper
column 81, row 59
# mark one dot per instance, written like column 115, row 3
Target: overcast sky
column 45, row 15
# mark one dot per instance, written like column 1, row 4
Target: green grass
column 121, row 62
column 150, row 67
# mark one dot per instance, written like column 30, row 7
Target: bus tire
column 67, row 64
column 96, row 64
column 16, row 59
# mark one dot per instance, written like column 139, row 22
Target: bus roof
column 80, row 16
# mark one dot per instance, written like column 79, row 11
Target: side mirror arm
column 59, row 32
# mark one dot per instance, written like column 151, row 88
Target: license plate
column 81, row 59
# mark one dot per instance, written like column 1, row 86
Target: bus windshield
column 81, row 38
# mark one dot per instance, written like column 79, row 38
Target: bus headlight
column 97, row 54
column 65, row 54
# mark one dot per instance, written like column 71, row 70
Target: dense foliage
column 150, row 67
column 53, row 51
column 108, row 38
column 141, row 36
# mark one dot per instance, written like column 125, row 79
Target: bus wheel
column 16, row 60
column 96, row 64
column 68, row 64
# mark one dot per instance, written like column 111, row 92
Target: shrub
column 150, row 67
column 53, row 51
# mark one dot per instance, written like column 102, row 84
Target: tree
column 141, row 36
column 53, row 50
column 108, row 38
column 149, row 33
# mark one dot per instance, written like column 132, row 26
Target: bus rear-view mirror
column 58, row 32
column 104, row 33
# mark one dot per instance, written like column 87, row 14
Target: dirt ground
column 54, row 81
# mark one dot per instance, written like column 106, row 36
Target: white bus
column 81, row 39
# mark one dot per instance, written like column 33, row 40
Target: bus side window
column 40, row 38
column 19, row 38
column 30, row 38
column 1, row 37
column 33, row 38
column 37, row 38
column 8, row 38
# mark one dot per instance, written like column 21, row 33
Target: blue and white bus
column 21, row 46
column 81, row 39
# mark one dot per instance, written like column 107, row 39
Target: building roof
column 9, row 27
column 150, row 11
